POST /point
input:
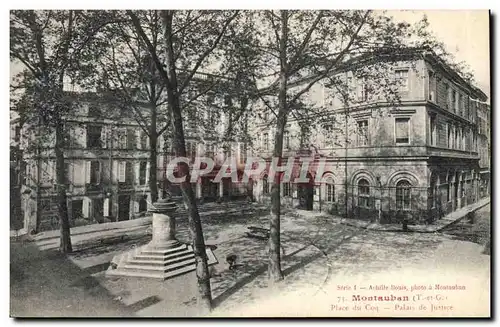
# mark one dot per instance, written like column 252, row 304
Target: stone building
column 107, row 163
column 416, row 158
column 484, row 147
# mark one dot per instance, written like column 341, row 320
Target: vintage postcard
column 250, row 163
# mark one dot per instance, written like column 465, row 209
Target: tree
column 299, row 49
column 52, row 46
column 191, row 44
column 128, row 73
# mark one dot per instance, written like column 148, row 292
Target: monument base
column 159, row 262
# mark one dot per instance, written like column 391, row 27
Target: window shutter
column 52, row 171
column 106, row 207
column 104, row 137
column 137, row 168
column 86, row 207
column 99, row 176
column 115, row 171
column 121, row 171
column 87, row 172
column 147, row 172
column 138, row 138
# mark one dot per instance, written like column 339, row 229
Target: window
column 142, row 172
column 433, row 129
column 144, row 141
column 95, row 172
column 455, row 101
column 362, row 133
column 431, row 87
column 450, row 136
column 228, row 151
column 463, row 133
column 210, row 150
column 67, row 173
column 211, row 117
column 76, row 209
column 265, row 185
column 448, row 192
column 457, row 139
column 330, row 190
column 402, row 130
column 47, row 171
column 287, row 189
column 191, row 149
column 94, row 137
column 327, row 133
column 402, row 79
column 94, row 111
column 265, row 141
column 121, row 171
column 363, row 193
column 243, row 153
column 122, row 138
column 363, row 89
column 403, row 195
column 448, row 94
column 287, row 139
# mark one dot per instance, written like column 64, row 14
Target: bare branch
column 152, row 50
column 207, row 52
column 334, row 62
column 141, row 120
column 306, row 40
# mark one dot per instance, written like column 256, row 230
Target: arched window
column 265, row 185
column 403, row 195
column 330, row 190
column 363, row 193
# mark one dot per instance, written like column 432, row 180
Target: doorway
column 305, row 194
column 123, row 207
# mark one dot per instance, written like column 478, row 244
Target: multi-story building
column 484, row 147
column 107, row 163
column 415, row 157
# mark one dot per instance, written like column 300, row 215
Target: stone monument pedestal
column 164, row 256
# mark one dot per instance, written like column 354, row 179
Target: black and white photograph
column 250, row 163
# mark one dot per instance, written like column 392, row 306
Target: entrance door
column 305, row 193
column 98, row 205
column 123, row 207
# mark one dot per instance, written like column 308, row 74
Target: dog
column 231, row 260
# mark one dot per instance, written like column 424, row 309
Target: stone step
column 151, row 274
column 161, row 268
column 163, row 252
column 159, row 257
column 158, row 263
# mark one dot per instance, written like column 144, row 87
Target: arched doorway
column 305, row 193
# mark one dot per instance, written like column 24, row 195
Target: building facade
column 416, row 159
column 107, row 164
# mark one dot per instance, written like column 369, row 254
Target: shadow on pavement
column 48, row 284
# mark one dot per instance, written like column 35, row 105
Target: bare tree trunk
column 274, row 267
column 153, row 156
column 195, row 227
column 62, row 206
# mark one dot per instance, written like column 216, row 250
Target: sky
column 465, row 33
